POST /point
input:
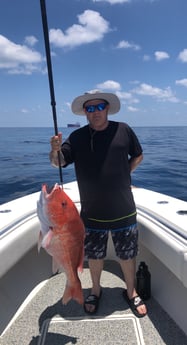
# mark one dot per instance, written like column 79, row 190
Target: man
column 104, row 153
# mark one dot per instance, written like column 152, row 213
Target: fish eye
column 64, row 203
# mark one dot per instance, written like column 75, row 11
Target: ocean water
column 24, row 161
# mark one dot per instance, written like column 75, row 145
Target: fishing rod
column 50, row 75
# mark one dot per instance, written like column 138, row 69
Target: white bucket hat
column 112, row 99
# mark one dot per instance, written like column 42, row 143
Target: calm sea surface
column 24, row 161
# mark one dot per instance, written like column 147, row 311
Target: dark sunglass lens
column 101, row 106
column 90, row 108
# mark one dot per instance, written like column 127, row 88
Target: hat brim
column 112, row 99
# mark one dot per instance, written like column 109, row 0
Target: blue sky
column 134, row 48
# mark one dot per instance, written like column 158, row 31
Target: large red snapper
column 62, row 236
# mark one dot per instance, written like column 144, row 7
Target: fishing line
column 50, row 75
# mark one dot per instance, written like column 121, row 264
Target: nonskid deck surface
column 44, row 320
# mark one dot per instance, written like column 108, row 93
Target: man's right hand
column 56, row 142
column 56, row 153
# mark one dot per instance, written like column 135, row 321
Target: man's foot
column 91, row 303
column 136, row 304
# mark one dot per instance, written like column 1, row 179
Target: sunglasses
column 92, row 108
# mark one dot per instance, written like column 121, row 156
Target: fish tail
column 73, row 292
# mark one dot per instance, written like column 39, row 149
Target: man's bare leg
column 96, row 267
column 129, row 270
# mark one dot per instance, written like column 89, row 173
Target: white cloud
column 126, row 45
column 127, row 97
column 109, row 85
column 68, row 104
column 134, row 82
column 91, row 28
column 183, row 56
column 24, row 111
column 18, row 59
column 132, row 109
column 31, row 40
column 124, row 95
column 146, row 58
column 113, row 2
column 160, row 55
column 160, row 94
column 182, row 82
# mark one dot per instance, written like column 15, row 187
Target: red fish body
column 62, row 236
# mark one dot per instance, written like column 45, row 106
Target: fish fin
column 40, row 241
column 73, row 292
column 47, row 239
column 80, row 266
column 55, row 266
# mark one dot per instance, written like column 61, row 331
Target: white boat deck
column 43, row 320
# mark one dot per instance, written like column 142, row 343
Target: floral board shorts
column 125, row 242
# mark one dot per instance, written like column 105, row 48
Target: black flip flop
column 92, row 300
column 134, row 303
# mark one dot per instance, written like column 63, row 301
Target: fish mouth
column 48, row 190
